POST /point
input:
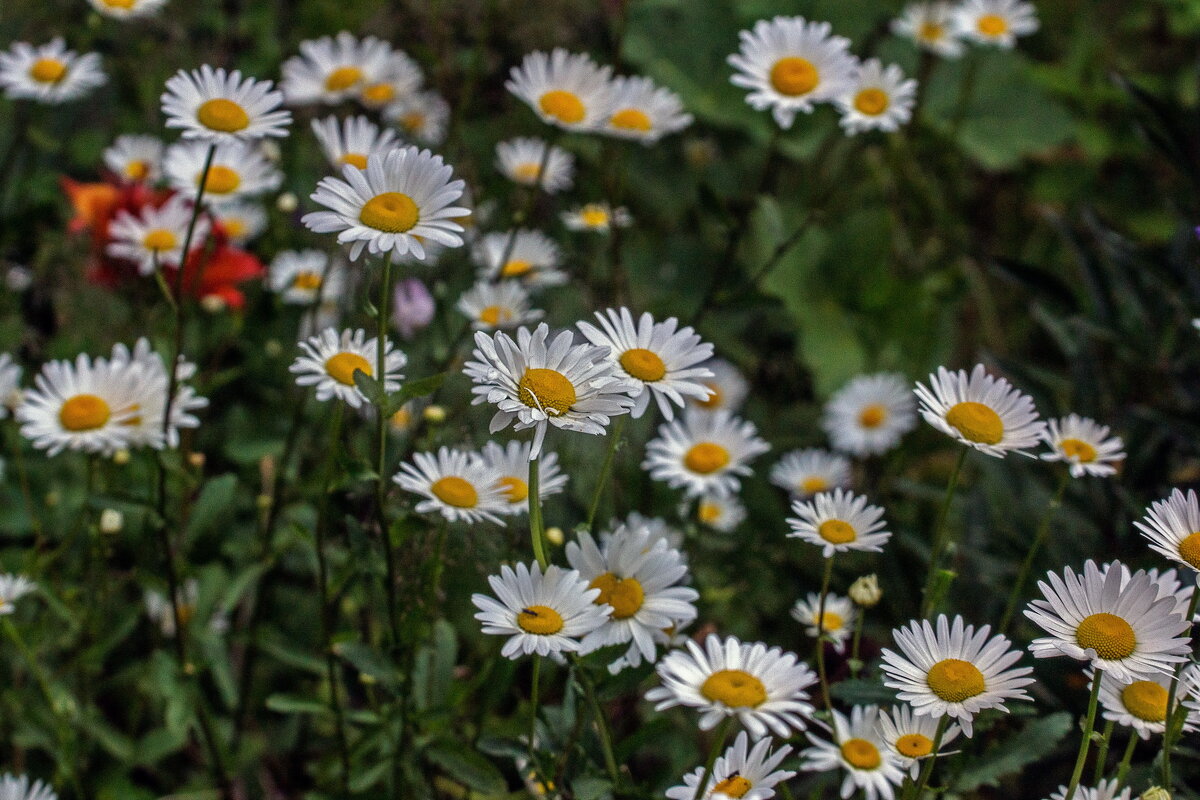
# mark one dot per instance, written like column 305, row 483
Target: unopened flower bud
column 111, row 521
column 287, row 202
column 273, row 348
column 865, row 591
column 121, row 457
column 18, row 279
column 554, row 536
column 196, row 460
column 271, row 150
column 412, row 307
column 434, row 414
column 1156, row 793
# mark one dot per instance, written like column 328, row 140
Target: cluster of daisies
column 942, row 28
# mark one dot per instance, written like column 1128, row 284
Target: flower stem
column 1102, row 753
column 918, row 788
column 605, row 469
column 1086, row 741
column 1174, row 719
column 537, row 534
column 1127, row 759
column 718, row 745
column 606, row 745
column 383, row 313
column 821, row 632
column 855, row 662
column 940, row 536
column 1039, row 539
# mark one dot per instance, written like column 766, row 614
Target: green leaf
column 291, row 704
column 370, row 662
column 413, row 389
column 1024, row 747
column 214, row 507
column 859, row 692
column 466, row 766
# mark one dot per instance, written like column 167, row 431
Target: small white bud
column 865, row 591
column 111, row 521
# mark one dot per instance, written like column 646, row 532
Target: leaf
column 291, row 704
column 1024, row 747
column 467, row 766
column 214, row 506
column 859, row 692
column 370, row 662
column 414, row 389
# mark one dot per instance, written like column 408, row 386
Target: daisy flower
column 789, row 64
column 727, row 388
column 878, row 98
column 495, row 306
column 329, row 360
column 353, row 140
column 540, row 614
column 135, row 159
column 1084, row 445
column 301, row 277
column 1118, row 624
column 162, row 614
column 644, row 111
column 524, row 160
column 12, row 589
column 857, row 748
column 722, row 514
column 148, row 369
column 1142, row 704
column 455, row 484
column 805, row 473
column 384, row 83
column 240, row 222
column 128, row 9
column 662, row 533
column 10, row 385
column 596, row 218
column 398, row 202
column 748, row 773
column 422, row 116
column 528, row 256
column 638, row 577
column 910, row 736
column 1104, row 790
column 869, row 414
column 19, row 787
column 996, row 22
column 49, row 73
column 953, row 670
column 511, row 464
column 980, row 411
column 931, row 27
column 659, row 359
column 1172, row 527
column 331, row 69
column 156, row 237
column 535, row 383
column 840, row 614
column 763, row 687
column 238, row 170
column 704, row 453
column 564, row 89
column 839, row 522
column 218, row 106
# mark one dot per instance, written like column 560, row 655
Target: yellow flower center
column 391, row 212
column 793, row 76
column 714, row 397
column 813, row 484
column 234, row 227
column 1078, row 449
column 836, row 531
column 914, row 745
column 931, row 32
column 708, row 512
column 222, row 115
column 992, row 25
column 955, row 680
column 137, row 170
column 734, row 688
column 1110, row 636
column 547, row 389
column 355, row 159
column 631, row 119
column 84, row 412
column 343, row 78
column 625, row 595
column 308, row 281
column 873, row 416
column 413, row 120
column 733, row 786
column 706, row 458
column 594, row 216
column 1145, row 700
column 48, row 70
column 159, row 239
column 861, row 754
column 342, row 366
column 833, row 621
column 540, row 620
column 186, row 612
column 515, row 489
column 528, row 172
column 516, row 268
column 494, row 315
column 1189, row 549
column 976, row 422
column 221, row 180
column 378, row 94
column 401, row 419
column 871, row 102
column 643, row 364
column 564, row 106
column 455, row 491
column 122, row 4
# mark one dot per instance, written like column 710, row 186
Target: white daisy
column 953, row 670
column 1120, row 626
column 931, row 27
column 393, row 78
column 722, row 514
column 496, row 306
column 596, row 218
column 1142, row 704
column 135, row 159
column 511, row 463
column 354, row 140
column 869, row 414
column 238, row 170
column 19, row 787
column 162, row 613
column 727, row 388
column 639, row 577
column 859, row 749
column 156, row 237
column 331, row 69
column 565, row 89
column 1083, row 444
column 456, row 484
column 329, row 361
column 49, row 73
column 764, row 688
column 662, row 533
column 704, row 453
column 149, row 370
column 659, row 359
column 423, row 117
column 910, row 736
column 980, row 411
column 218, row 106
column 240, row 222
column 10, row 385
column 805, row 473
column 524, row 160
column 12, row 589
column 1172, row 527
column 839, row 522
column 300, row 277
column 540, row 614
column 394, row 205
column 128, row 9
column 528, row 256
column 1104, row 790
column 878, row 98
column 644, row 111
column 997, row 22
column 535, row 383
column 740, row 772
column 840, row 614
column 789, row 64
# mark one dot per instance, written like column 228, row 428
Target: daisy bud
column 271, row 150
column 413, row 307
column 1156, row 793
column 287, row 202
column 263, row 502
column 111, row 521
column 213, row 303
column 121, row 457
column 18, row 279
column 865, row 591
column 554, row 536
column 273, row 348
column 196, row 460
column 434, row 414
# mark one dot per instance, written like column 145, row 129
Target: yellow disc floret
column 861, row 754
column 914, row 745
column 706, row 458
column 159, row 239
column 540, row 620
column 871, row 102
column 625, row 595
column 220, row 180
column 631, row 119
column 220, row 114
column 794, row 76
column 643, row 364
column 955, row 680
column 343, row 78
column 837, row 531
column 48, row 70
column 455, row 491
column 733, row 786
column 547, row 389
column 84, row 412
column 1078, row 449
column 514, row 488
column 976, row 422
column 735, row 688
column 1189, row 549
column 992, row 25
column 563, row 106
column 1109, row 635
column 1145, row 700
column 342, row 366
column 390, row 212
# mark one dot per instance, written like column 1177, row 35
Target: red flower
column 217, row 271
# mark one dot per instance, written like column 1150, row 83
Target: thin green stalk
column 16, row 445
column 1086, row 742
column 940, row 536
column 521, row 216
column 918, row 788
column 383, row 314
column 1174, row 719
column 1039, row 539
column 606, row 745
column 855, row 662
column 614, row 442
column 534, row 686
column 1102, row 753
column 537, row 533
column 821, row 632
column 1127, row 759
column 718, row 745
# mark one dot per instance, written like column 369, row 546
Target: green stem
column 1086, row 741
column 606, row 745
column 940, row 535
column 16, row 445
column 537, row 533
column 534, row 685
column 717, row 747
column 1039, row 539
column 1102, row 753
column 605, row 469
column 855, row 661
column 918, row 788
column 825, row 579
column 1127, row 759
column 1175, row 720
column 383, row 313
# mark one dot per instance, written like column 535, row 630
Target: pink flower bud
column 412, row 307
